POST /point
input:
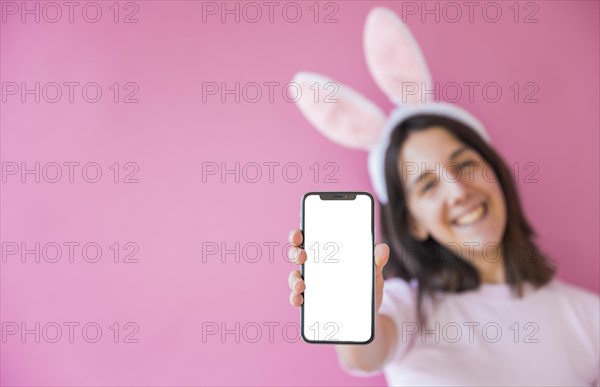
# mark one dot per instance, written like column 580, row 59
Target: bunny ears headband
column 395, row 62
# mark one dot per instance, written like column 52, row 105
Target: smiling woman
column 467, row 297
column 480, row 217
column 459, row 269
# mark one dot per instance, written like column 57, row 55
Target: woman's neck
column 490, row 267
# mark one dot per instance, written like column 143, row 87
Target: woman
column 467, row 297
column 548, row 335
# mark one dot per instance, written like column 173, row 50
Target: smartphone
column 339, row 273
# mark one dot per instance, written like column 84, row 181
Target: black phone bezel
column 339, row 195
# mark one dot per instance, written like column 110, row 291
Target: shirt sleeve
column 399, row 304
column 586, row 308
column 595, row 332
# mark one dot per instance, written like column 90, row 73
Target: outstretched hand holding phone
column 298, row 256
column 360, row 357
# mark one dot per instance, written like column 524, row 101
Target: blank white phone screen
column 339, row 270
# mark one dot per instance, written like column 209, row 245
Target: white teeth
column 471, row 216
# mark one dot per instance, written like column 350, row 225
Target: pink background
column 170, row 213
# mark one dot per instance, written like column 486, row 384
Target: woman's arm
column 372, row 356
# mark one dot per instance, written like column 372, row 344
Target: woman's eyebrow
column 457, row 152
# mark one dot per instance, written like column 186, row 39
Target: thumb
column 382, row 253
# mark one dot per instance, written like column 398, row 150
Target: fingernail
column 294, row 255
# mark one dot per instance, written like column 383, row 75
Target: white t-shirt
column 489, row 336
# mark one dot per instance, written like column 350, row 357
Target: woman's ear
column 416, row 229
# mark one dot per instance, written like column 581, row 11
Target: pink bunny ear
column 338, row 112
column 394, row 58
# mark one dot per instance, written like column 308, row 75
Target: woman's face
column 452, row 195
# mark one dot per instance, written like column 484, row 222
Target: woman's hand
column 298, row 256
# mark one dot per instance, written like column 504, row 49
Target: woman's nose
column 457, row 187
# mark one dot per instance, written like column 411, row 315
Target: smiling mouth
column 472, row 216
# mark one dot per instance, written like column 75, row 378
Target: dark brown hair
column 437, row 267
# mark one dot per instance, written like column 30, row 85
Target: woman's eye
column 467, row 163
column 427, row 186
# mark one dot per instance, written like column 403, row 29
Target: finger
column 295, row 237
column 302, row 257
column 299, row 286
column 382, row 254
column 297, row 255
column 296, row 299
column 293, row 278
